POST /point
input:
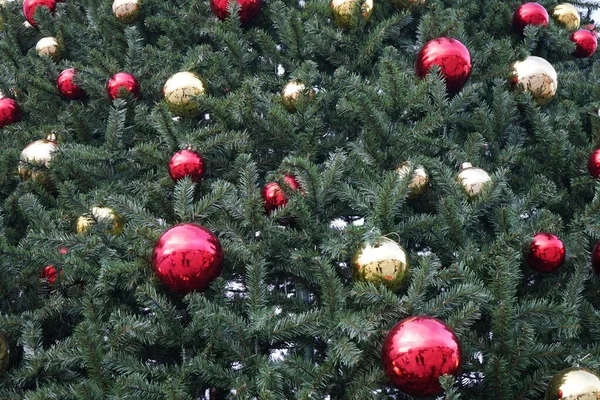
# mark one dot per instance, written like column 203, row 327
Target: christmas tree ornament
column 186, row 258
column 101, row 214
column 292, row 91
column 180, row 93
column 49, row 273
column 126, row 11
column 67, row 87
column 417, row 351
column 382, row 262
column 30, row 7
column 122, row 81
column 536, row 75
column 343, row 11
column 586, row 43
column 48, row 47
column 274, row 196
column 573, row 384
column 4, row 354
column 10, row 112
column 593, row 164
column 35, row 156
column 418, row 182
column 596, row 258
column 452, row 58
column 529, row 14
column 408, row 4
column 567, row 15
column 249, row 9
column 472, row 179
column 546, row 253
column 186, row 162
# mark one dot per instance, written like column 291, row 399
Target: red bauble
column 30, row 6
column 273, row 194
column 529, row 14
column 586, row 42
column 249, row 9
column 67, row 87
column 451, row 56
column 10, row 112
column 187, row 257
column 186, row 163
column 417, row 351
column 593, row 164
column 122, row 81
column 596, row 258
column 546, row 253
column 49, row 273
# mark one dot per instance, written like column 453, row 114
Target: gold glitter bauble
column 343, row 11
column 101, row 213
column 574, row 384
column 419, row 181
column 126, row 11
column 34, row 156
column 567, row 15
column 536, row 75
column 48, row 47
column 408, row 4
column 472, row 179
column 180, row 93
column 291, row 92
column 383, row 262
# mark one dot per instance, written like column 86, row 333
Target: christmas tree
column 299, row 199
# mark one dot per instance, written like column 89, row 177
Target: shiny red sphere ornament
column 122, row 81
column 249, row 9
column 10, row 112
column 30, row 7
column 530, row 14
column 66, row 85
column 49, row 273
column 187, row 258
column 417, row 351
column 546, row 253
column 593, row 164
column 596, row 258
column 186, row 163
column 586, row 43
column 452, row 57
column 273, row 194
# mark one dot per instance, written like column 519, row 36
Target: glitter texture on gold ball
column 473, row 180
column 126, row 11
column 48, row 47
column 538, row 76
column 98, row 214
column 573, row 384
column 292, row 91
column 343, row 11
column 382, row 262
column 419, row 179
column 180, row 93
column 34, row 157
column 567, row 15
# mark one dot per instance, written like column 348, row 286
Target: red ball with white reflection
column 66, row 85
column 187, row 258
column 546, row 253
column 186, row 163
column 593, row 164
column 249, row 9
column 596, row 258
column 10, row 112
column 417, row 351
column 30, row 7
column 122, row 81
column 49, row 273
column 451, row 56
column 586, row 43
column 530, row 14
column 273, row 194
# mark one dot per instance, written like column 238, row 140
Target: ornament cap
column 51, row 137
column 466, row 165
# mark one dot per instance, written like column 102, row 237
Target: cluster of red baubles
column 119, row 85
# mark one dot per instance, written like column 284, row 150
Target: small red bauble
column 546, row 253
column 273, row 194
column 30, row 6
column 186, row 163
column 586, row 43
column 452, row 57
column 122, row 81
column 417, row 351
column 249, row 9
column 596, row 258
column 593, row 164
column 10, row 112
column 67, row 87
column 49, row 273
column 187, row 258
column 529, row 14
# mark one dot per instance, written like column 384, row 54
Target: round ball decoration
column 473, row 180
column 573, row 384
column 408, row 4
column 419, row 181
column 343, row 11
column 567, row 15
column 101, row 213
column 249, row 9
column 546, row 253
column 538, row 76
column 382, row 262
column 187, row 258
column 530, row 14
column 30, row 7
column 122, row 82
column 10, row 112
column 34, row 156
column 593, row 164
column 48, row 47
column 451, row 56
column 49, row 273
column 417, row 351
column 274, row 196
column 67, row 87
column 596, row 258
column 4, row 354
column 187, row 162
column 126, row 11
column 180, row 93
column 586, row 43
column 292, row 91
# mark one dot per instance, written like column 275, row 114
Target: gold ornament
column 419, row 182
column 48, row 47
column 126, row 11
column 34, row 156
column 408, row 4
column 101, row 213
column 573, row 384
column 291, row 92
column 343, row 11
column 180, row 91
column 382, row 262
column 536, row 75
column 567, row 15
column 472, row 179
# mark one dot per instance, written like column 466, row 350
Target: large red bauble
column 451, row 56
column 249, row 9
column 124, row 81
column 187, row 258
column 49, row 273
column 66, row 85
column 10, row 112
column 593, row 164
column 273, row 194
column 30, row 6
column 596, row 258
column 529, row 14
column 586, row 43
column 186, row 163
column 417, row 351
column 546, row 253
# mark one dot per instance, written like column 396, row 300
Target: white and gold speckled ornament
column 126, row 11
column 472, row 179
column 180, row 93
